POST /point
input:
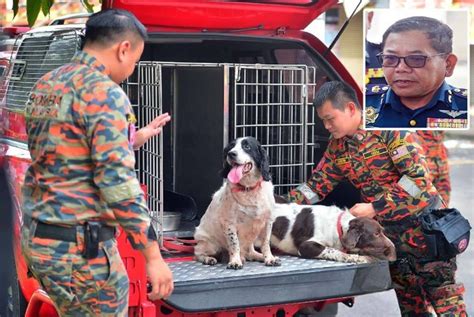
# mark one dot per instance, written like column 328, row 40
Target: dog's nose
column 390, row 253
column 232, row 155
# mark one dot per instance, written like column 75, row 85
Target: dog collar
column 339, row 226
column 241, row 188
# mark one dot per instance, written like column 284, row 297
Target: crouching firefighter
column 391, row 174
column 81, row 183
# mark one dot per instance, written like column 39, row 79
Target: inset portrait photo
column 416, row 69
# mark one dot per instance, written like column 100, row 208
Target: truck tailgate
column 200, row 287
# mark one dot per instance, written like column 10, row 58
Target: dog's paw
column 235, row 265
column 274, row 261
column 362, row 259
column 209, row 261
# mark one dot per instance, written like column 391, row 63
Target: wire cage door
column 144, row 89
column 270, row 103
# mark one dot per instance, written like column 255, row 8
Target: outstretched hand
column 152, row 129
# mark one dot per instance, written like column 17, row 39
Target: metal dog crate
column 211, row 104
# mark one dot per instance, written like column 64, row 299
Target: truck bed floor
column 200, row 287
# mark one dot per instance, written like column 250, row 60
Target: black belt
column 55, row 232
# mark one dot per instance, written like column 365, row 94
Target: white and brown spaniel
column 240, row 211
column 330, row 233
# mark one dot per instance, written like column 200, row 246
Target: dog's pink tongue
column 235, row 174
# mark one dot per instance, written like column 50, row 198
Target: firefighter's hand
column 161, row 279
column 363, row 210
column 153, row 128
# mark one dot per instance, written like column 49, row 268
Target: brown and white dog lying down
column 330, row 233
column 240, row 211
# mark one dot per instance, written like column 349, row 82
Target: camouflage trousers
column 423, row 288
column 78, row 286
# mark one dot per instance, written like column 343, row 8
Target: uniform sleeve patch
column 121, row 192
column 399, row 153
column 310, row 196
column 409, row 186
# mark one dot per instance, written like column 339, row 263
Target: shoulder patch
column 375, row 89
column 371, row 114
column 460, row 92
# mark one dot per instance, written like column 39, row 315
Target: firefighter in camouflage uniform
column 81, row 184
column 390, row 172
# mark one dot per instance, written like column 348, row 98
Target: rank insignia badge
column 371, row 115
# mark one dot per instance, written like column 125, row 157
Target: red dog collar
column 241, row 188
column 339, row 226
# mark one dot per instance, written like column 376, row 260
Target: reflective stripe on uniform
column 121, row 192
column 409, row 186
column 308, row 193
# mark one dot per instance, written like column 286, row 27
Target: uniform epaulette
column 371, row 90
column 460, row 92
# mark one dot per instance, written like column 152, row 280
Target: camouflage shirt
column 386, row 166
column 79, row 125
column 437, row 158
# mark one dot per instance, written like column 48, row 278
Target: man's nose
column 402, row 66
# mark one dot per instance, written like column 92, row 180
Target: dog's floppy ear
column 226, row 166
column 263, row 164
column 351, row 238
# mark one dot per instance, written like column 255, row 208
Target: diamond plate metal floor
column 196, row 271
column 203, row 288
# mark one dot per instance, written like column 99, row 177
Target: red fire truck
column 223, row 69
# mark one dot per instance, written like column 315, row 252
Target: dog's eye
column 377, row 234
column 246, row 147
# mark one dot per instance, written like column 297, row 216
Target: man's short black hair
column 338, row 93
column 111, row 25
column 439, row 34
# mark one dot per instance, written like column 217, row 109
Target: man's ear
column 451, row 61
column 351, row 106
column 123, row 50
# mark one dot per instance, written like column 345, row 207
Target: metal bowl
column 171, row 220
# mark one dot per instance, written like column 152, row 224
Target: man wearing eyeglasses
column 416, row 58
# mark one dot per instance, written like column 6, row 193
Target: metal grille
column 38, row 54
column 143, row 88
column 270, row 103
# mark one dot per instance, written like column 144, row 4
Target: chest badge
column 453, row 113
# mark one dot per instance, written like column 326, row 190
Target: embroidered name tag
column 375, row 152
column 342, row 160
column 446, row 123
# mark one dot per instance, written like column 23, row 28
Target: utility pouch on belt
column 446, row 232
column 91, row 239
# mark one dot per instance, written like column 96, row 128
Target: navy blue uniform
column 373, row 68
column 447, row 109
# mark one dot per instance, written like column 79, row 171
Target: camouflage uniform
column 391, row 174
column 80, row 126
column 437, row 158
